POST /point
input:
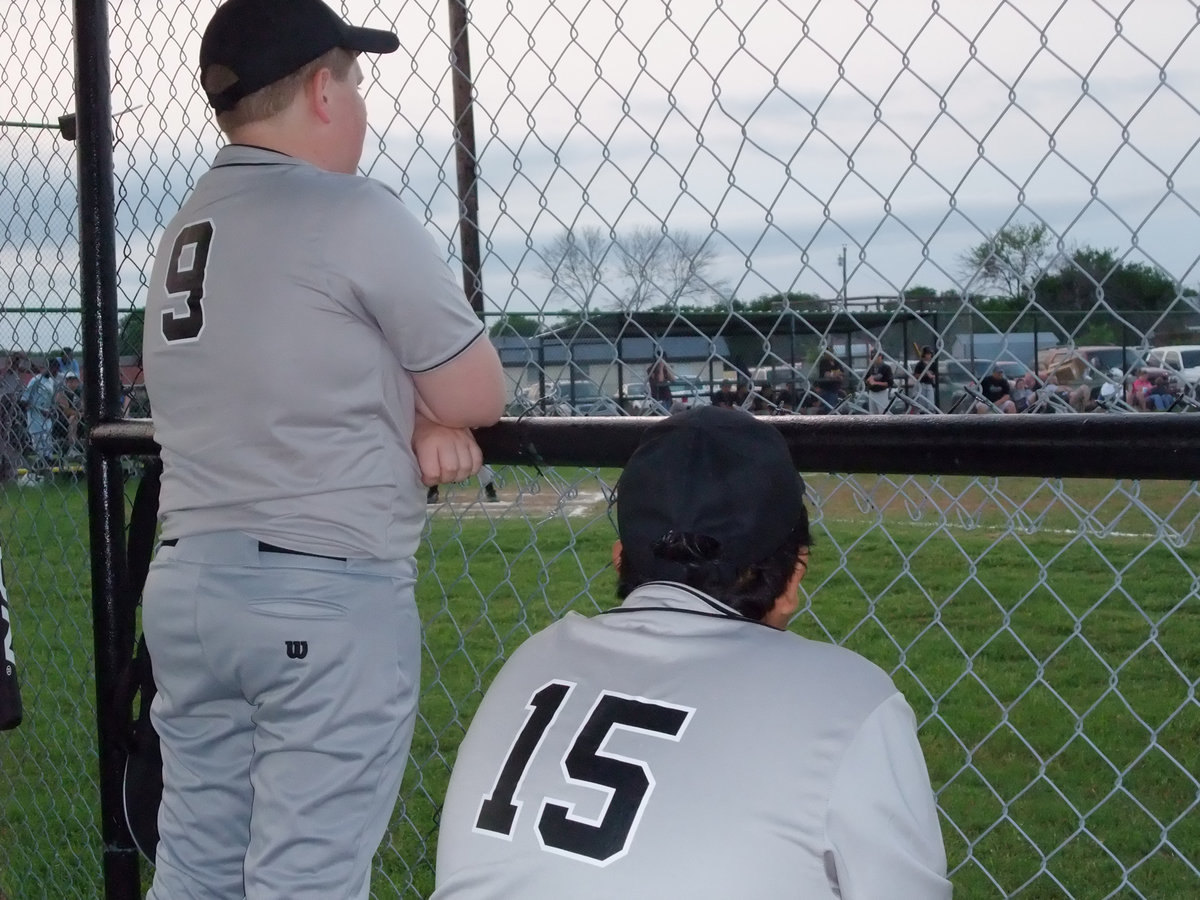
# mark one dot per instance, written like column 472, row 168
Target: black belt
column 264, row 547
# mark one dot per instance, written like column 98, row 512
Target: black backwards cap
column 713, row 473
column 262, row 41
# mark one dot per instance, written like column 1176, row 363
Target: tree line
column 1019, row 270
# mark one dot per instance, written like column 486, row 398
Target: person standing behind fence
column 658, row 383
column 12, row 429
column 310, row 361
column 68, row 415
column 67, row 364
column 925, row 375
column 38, row 403
column 685, row 744
column 878, row 381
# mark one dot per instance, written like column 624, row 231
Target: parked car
column 1182, row 359
column 584, row 398
column 686, row 393
column 563, row 398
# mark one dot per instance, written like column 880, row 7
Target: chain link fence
column 741, row 201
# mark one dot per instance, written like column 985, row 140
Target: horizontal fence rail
column 1129, row 446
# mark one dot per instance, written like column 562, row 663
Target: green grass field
column 1046, row 634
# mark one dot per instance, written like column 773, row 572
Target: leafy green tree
column 129, row 333
column 516, row 324
column 1097, row 279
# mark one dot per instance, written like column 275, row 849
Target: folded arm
column 463, row 393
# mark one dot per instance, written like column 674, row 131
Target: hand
column 444, row 454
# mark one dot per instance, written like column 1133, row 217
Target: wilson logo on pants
column 297, row 649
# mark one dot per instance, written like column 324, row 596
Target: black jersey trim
column 686, row 612
column 252, row 165
column 287, row 159
column 457, row 353
column 719, row 611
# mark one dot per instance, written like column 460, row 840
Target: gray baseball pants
column 287, row 694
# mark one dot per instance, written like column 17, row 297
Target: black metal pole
column 1068, row 445
column 464, row 152
column 112, row 628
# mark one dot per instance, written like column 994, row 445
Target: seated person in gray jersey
column 685, row 744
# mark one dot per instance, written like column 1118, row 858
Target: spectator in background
column 996, row 393
column 786, row 398
column 67, row 364
column 925, row 376
column 1023, row 394
column 38, row 403
column 879, row 384
column 725, row 395
column 1160, row 397
column 658, row 382
column 1139, row 389
column 828, row 392
column 1112, row 390
column 827, row 363
column 68, row 411
column 12, row 429
column 1056, row 398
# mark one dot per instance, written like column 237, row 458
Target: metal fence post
column 464, row 148
column 113, row 638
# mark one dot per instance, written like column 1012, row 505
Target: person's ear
column 316, row 91
column 788, row 602
column 616, row 556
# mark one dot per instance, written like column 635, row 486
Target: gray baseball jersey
column 300, row 300
column 672, row 749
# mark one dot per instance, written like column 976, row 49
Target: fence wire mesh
column 746, row 199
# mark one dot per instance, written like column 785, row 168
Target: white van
column 1181, row 358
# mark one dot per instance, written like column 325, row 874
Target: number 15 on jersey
column 626, row 783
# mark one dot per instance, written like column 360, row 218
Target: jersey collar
column 671, row 596
column 251, row 155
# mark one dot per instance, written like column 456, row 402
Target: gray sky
column 776, row 131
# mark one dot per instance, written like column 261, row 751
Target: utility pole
column 842, row 260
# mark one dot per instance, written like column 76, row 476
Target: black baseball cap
column 262, row 41
column 714, row 472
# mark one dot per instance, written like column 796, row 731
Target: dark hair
column 752, row 591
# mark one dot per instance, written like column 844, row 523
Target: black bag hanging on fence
column 142, row 784
column 11, row 710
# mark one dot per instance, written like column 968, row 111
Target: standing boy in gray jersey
column 684, row 744
column 310, row 361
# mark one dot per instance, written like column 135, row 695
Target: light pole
column 842, row 260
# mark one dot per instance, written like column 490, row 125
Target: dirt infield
column 1098, row 506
